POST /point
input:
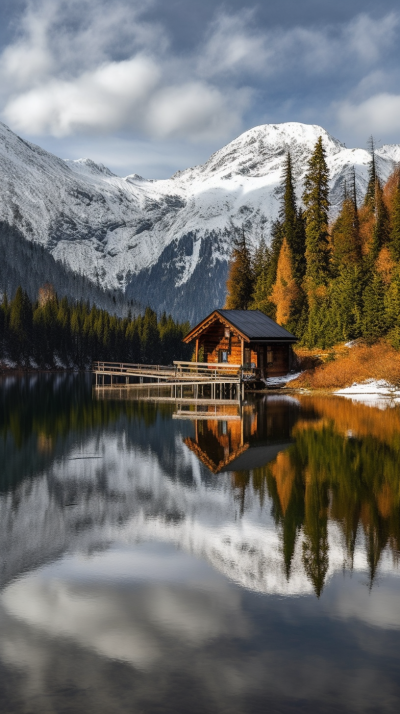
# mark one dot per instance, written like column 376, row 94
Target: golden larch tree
column 285, row 290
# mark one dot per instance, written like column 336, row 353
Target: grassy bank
column 342, row 366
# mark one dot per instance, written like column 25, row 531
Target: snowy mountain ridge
column 166, row 242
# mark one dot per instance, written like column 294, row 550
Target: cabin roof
column 252, row 324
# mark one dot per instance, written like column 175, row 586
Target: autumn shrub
column 355, row 365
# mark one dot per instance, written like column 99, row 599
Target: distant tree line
column 63, row 333
column 326, row 283
column 17, row 252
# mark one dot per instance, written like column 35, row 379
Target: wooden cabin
column 244, row 337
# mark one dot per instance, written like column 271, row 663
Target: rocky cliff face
column 165, row 243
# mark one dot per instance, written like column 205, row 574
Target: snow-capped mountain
column 165, row 242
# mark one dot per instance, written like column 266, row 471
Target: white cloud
column 368, row 38
column 196, row 110
column 63, row 77
column 90, row 66
column 105, row 99
column 379, row 113
column 235, row 45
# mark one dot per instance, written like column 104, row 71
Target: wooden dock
column 187, row 381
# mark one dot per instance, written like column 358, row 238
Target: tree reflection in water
column 328, row 459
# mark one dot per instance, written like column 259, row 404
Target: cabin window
column 247, row 357
column 270, row 355
column 227, row 332
column 223, row 355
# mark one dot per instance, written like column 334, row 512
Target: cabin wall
column 213, row 340
column 281, row 361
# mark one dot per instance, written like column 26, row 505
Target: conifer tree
column 240, row 281
column 285, row 290
column 262, row 284
column 150, row 338
column 392, row 309
column 381, row 232
column 346, row 242
column 288, row 212
column 369, row 199
column 293, row 224
column 20, row 324
column 374, row 313
column 395, row 229
column 316, row 201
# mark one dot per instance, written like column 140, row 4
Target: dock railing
column 207, row 370
column 179, row 371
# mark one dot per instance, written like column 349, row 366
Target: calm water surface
column 235, row 562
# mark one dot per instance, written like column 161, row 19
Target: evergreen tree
column 288, row 212
column 392, row 309
column 345, row 312
column 262, row 282
column 381, row 232
column 293, row 224
column 374, row 314
column 316, row 201
column 20, row 325
column 346, row 241
column 240, row 283
column 150, row 338
column 373, row 178
column 395, row 230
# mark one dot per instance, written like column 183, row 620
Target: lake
column 155, row 558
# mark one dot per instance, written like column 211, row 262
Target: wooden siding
column 213, row 340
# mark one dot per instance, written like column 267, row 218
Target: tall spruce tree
column 316, row 201
column 374, row 314
column 240, row 283
column 288, row 212
column 292, row 222
column 262, row 287
column 346, row 242
column 369, row 199
column 381, row 234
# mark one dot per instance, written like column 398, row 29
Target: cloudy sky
column 153, row 86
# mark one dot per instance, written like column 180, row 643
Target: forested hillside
column 29, row 264
column 61, row 333
column 327, row 283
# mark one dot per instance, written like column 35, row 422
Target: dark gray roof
column 255, row 325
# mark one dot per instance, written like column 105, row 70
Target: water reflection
column 175, row 546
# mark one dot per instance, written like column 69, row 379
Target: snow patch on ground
column 372, row 392
column 281, row 381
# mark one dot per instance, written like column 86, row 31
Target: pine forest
column 71, row 334
column 326, row 282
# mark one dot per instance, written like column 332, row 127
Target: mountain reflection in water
column 135, row 528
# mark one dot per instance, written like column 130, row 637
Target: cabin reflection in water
column 242, row 439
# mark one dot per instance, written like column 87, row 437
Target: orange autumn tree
column 285, row 290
